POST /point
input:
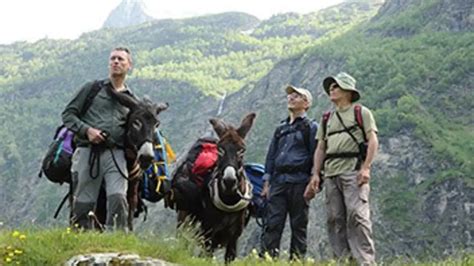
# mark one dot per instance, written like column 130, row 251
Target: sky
column 30, row 20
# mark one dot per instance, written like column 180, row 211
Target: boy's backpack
column 156, row 179
column 258, row 204
column 361, row 155
column 56, row 164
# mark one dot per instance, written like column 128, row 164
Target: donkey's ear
column 161, row 107
column 219, row 126
column 246, row 124
column 123, row 98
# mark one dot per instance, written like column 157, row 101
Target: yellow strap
column 155, row 168
column 170, row 153
column 160, row 181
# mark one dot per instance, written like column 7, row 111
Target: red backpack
column 202, row 157
column 206, row 159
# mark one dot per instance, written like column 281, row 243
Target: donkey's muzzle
column 146, row 155
column 229, row 183
column 145, row 161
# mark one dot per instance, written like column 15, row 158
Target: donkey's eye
column 220, row 152
column 137, row 124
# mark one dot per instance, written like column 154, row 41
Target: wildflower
column 68, row 230
column 15, row 233
column 11, row 254
column 268, row 258
column 8, row 259
column 9, row 247
column 18, row 251
column 310, row 260
column 254, row 253
column 22, row 237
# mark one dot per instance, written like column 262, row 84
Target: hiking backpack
column 56, row 164
column 202, row 158
column 258, row 204
column 304, row 127
column 187, row 184
column 362, row 154
column 156, row 179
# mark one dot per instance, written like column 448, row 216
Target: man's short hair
column 126, row 50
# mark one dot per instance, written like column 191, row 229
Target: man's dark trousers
column 286, row 198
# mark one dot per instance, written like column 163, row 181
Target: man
column 99, row 129
column 287, row 172
column 346, row 171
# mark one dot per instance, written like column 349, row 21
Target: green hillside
column 420, row 88
column 188, row 63
column 413, row 61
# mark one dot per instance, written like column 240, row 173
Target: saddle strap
column 240, row 205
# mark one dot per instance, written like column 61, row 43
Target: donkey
column 223, row 210
column 142, row 121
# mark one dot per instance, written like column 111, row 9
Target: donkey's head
column 231, row 148
column 142, row 122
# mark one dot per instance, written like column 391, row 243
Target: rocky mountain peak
column 127, row 13
column 407, row 17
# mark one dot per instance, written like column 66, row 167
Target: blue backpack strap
column 162, row 152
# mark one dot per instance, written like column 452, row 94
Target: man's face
column 336, row 93
column 119, row 63
column 297, row 102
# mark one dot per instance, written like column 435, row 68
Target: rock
column 114, row 259
column 127, row 13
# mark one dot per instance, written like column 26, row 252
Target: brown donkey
column 222, row 208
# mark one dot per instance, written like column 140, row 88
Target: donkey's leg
column 231, row 250
column 182, row 218
column 132, row 199
column 208, row 246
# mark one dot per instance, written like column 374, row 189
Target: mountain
column 413, row 61
column 127, row 13
column 419, row 87
column 190, row 63
column 405, row 17
column 316, row 24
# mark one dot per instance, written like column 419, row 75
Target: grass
column 55, row 246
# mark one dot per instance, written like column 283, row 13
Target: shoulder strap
column 94, row 90
column 278, row 130
column 359, row 120
column 346, row 129
column 326, row 116
column 306, row 133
